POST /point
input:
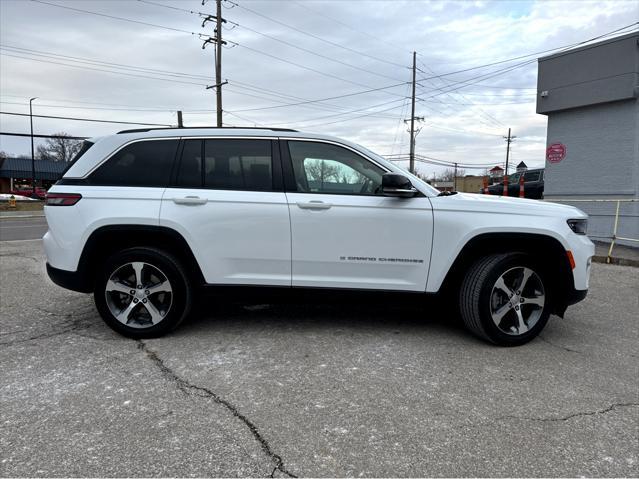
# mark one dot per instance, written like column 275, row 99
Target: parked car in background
column 533, row 185
column 40, row 193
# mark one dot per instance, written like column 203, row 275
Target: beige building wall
column 470, row 184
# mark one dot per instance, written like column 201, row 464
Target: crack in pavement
column 577, row 414
column 72, row 322
column 192, row 389
column 558, row 346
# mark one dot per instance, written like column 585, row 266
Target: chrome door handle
column 190, row 200
column 313, row 205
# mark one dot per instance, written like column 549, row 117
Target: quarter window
column 327, row 168
column 143, row 163
column 226, row 165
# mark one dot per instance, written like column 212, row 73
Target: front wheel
column 505, row 299
column 143, row 292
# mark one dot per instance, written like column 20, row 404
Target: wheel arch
column 106, row 240
column 547, row 250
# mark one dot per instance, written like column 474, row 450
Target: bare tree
column 320, row 170
column 449, row 174
column 60, row 148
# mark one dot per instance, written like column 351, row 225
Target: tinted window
column 144, row 163
column 514, row 178
column 326, row 168
column 190, row 172
column 531, row 176
column 227, row 165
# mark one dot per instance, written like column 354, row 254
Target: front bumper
column 575, row 296
column 570, row 297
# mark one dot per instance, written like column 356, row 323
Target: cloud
column 464, row 125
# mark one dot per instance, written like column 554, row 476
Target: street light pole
column 33, row 178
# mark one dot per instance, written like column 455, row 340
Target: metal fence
column 632, row 219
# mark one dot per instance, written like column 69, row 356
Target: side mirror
column 394, row 184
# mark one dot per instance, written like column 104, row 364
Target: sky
column 142, row 60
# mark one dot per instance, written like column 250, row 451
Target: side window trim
column 290, row 185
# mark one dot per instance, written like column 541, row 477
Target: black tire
column 476, row 291
column 177, row 303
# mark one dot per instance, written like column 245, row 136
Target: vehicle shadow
column 324, row 310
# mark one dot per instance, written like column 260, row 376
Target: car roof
column 143, row 130
column 128, row 135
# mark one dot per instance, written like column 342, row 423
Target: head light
column 579, row 226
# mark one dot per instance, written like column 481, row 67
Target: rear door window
column 226, row 164
column 143, row 163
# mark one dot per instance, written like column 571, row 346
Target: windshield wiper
column 447, row 193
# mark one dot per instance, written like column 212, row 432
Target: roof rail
column 143, row 130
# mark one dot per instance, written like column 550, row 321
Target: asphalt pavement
column 29, row 227
column 300, row 388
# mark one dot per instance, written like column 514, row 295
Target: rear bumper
column 69, row 279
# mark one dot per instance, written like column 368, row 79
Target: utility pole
column 217, row 39
column 33, row 177
column 179, row 118
column 218, row 61
column 509, row 139
column 412, row 130
column 455, row 178
column 411, row 167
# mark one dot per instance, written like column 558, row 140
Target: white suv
column 143, row 218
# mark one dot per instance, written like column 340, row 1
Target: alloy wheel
column 139, row 295
column 517, row 300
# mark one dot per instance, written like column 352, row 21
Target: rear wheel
column 504, row 298
column 143, row 292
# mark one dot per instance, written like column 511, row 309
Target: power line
column 113, row 17
column 479, row 78
column 91, row 61
column 271, row 37
column 28, row 135
column 539, row 52
column 135, row 75
column 139, row 110
column 486, row 114
column 325, row 99
column 84, row 67
column 329, row 75
column 202, row 35
column 355, row 117
column 335, row 20
column 317, row 37
column 84, row 119
column 492, row 120
column 109, row 65
column 344, row 113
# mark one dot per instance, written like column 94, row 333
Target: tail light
column 62, row 199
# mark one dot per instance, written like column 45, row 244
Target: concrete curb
column 618, row 261
column 10, row 217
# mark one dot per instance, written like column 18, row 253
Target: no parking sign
column 556, row 152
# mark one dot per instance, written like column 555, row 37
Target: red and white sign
column 556, row 152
